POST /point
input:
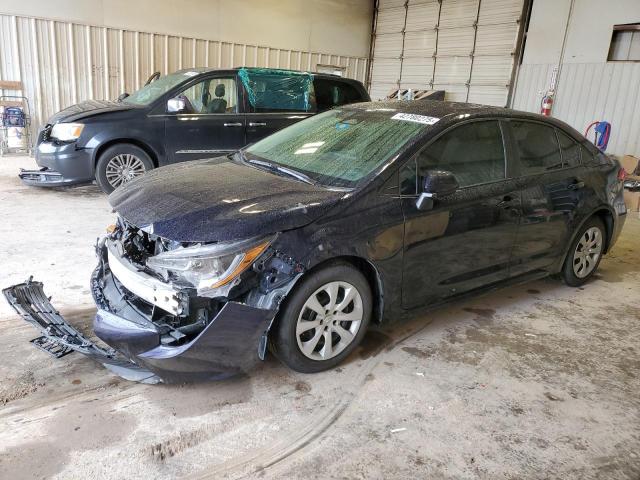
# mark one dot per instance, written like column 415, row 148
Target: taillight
column 622, row 174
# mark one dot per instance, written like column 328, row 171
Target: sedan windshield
column 151, row 92
column 338, row 148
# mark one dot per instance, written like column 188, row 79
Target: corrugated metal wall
column 589, row 92
column 62, row 63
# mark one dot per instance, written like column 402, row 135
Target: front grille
column 44, row 134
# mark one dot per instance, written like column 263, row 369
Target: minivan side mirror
column 176, row 105
column 437, row 183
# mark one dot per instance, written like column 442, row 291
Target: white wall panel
column 453, row 70
column 471, row 41
column 453, row 93
column 389, row 45
column 385, row 4
column 390, row 20
column 496, row 39
column 491, row 71
column 417, row 72
column 494, row 12
column 420, row 44
column 340, row 27
column 458, row 13
column 422, row 16
column 456, row 41
column 487, row 95
column 385, row 70
column 61, row 63
column 589, row 92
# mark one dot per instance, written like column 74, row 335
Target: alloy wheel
column 329, row 320
column 123, row 168
column 587, row 253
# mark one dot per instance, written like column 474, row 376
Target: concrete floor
column 534, row 381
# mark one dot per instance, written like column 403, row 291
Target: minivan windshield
column 151, row 92
column 339, row 148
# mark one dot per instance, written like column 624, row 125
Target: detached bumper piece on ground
column 139, row 354
column 43, row 177
column 59, row 338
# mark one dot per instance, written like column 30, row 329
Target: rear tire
column 585, row 253
column 120, row 164
column 323, row 319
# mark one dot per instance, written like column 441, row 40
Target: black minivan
column 187, row 115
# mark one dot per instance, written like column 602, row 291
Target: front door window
column 474, row 153
column 212, row 95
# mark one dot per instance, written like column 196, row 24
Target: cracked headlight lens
column 210, row 267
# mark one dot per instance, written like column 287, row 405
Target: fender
column 121, row 135
column 603, row 207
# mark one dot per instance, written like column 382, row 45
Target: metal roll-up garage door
column 465, row 47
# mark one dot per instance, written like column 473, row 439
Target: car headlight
column 66, row 132
column 210, row 268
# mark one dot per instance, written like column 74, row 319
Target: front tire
column 585, row 253
column 323, row 319
column 120, row 164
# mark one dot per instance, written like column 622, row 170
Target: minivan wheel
column 120, row 164
column 585, row 253
column 324, row 319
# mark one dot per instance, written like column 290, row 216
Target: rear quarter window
column 333, row 93
column 570, row 150
column 589, row 157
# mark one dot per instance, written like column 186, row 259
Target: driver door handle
column 257, row 124
column 235, row 124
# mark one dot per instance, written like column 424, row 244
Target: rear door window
column 278, row 90
column 333, row 93
column 570, row 150
column 537, row 146
column 473, row 152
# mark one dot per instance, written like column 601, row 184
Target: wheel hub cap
column 329, row 320
column 587, row 253
column 122, row 168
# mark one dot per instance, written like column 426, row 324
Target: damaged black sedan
column 299, row 242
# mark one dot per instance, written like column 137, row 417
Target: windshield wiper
column 287, row 171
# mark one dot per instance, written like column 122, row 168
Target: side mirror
column 175, row 105
column 436, row 184
column 122, row 96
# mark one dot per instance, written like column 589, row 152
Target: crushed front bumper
column 229, row 345
column 232, row 343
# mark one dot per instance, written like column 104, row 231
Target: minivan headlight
column 210, row 268
column 65, row 132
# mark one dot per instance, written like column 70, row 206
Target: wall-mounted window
column 625, row 43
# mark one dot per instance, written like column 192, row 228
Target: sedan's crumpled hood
column 86, row 109
column 218, row 200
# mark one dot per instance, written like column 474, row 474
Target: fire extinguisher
column 547, row 103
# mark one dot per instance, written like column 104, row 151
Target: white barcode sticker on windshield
column 410, row 117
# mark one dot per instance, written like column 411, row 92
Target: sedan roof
column 433, row 108
column 449, row 113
